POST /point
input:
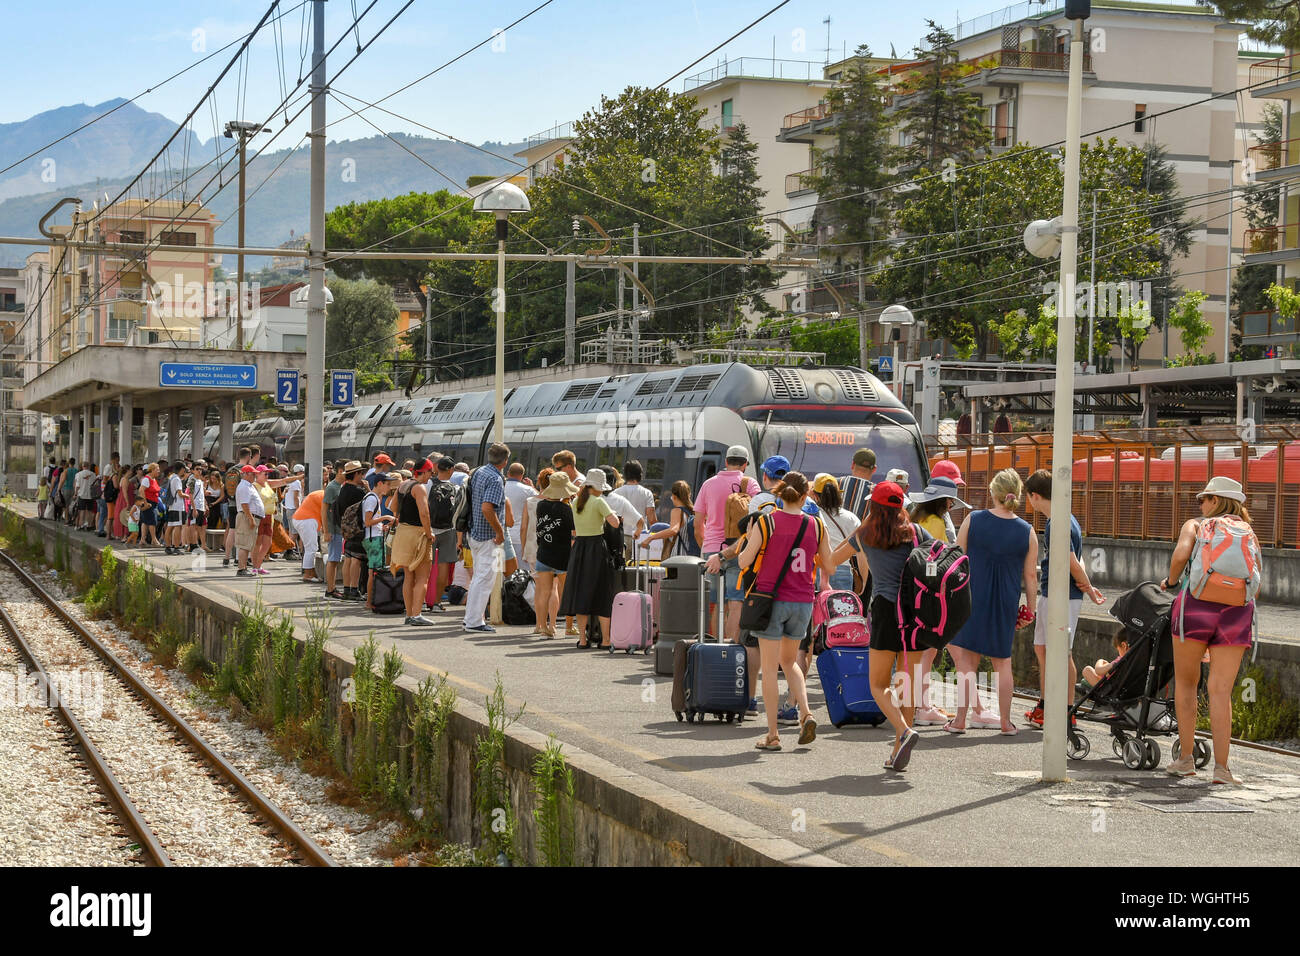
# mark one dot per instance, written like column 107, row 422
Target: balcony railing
column 1265, row 325
column 1045, row 61
column 1274, row 155
column 797, row 182
column 559, row 131
column 762, row 68
column 1274, row 71
column 810, row 115
column 1271, row 239
column 1003, row 136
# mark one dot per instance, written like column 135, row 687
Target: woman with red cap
column 886, row 539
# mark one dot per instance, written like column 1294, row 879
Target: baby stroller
column 1128, row 700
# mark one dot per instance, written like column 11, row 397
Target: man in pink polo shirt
column 711, row 527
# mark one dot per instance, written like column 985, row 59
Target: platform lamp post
column 896, row 316
column 501, row 200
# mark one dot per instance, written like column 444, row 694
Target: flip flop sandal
column 807, row 731
column 949, row 728
column 1010, row 733
column 768, row 745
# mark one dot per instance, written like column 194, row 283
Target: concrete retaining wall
column 622, row 818
column 1121, row 562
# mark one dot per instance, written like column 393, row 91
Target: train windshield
column 812, row 449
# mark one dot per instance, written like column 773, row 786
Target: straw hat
column 559, row 487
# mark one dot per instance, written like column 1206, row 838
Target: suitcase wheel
column 727, row 718
column 838, row 725
column 646, row 651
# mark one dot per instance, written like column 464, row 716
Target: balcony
column 558, row 131
column 1271, row 244
column 804, row 117
column 1004, row 137
column 1039, row 62
column 723, row 124
column 1267, row 328
column 761, row 68
column 1268, row 77
column 796, row 183
column 1274, row 161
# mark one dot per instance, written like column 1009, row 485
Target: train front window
column 812, row 449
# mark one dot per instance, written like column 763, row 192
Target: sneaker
column 225, row 562
column 439, row 607
column 261, row 571
column 1222, row 775
column 904, row 752
column 984, row 722
column 352, row 594
column 751, row 710
column 1183, row 767
column 1035, row 716
column 929, row 717
column 420, row 621
column 480, row 628
column 788, row 715
column 243, row 573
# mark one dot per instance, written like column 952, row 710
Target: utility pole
column 237, row 129
column 95, row 338
column 570, row 303
column 636, row 295
column 619, row 315
column 1227, row 269
column 314, row 440
column 428, row 332
column 1056, row 692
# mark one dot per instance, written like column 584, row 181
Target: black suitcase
column 710, row 677
column 386, row 594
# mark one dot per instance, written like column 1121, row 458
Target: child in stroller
column 1093, row 673
column 1130, row 698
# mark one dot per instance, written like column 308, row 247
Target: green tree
column 1270, row 21
column 1249, row 283
column 940, row 118
column 1193, row 329
column 360, row 327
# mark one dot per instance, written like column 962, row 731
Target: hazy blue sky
column 553, row 66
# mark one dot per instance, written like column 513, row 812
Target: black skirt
column 589, row 586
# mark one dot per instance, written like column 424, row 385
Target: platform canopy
column 155, row 377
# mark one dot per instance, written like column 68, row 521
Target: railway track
column 178, row 798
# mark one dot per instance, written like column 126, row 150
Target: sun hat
column 947, row 469
column 739, row 453
column 1221, row 486
column 775, row 467
column 887, row 493
column 352, row 467
column 596, row 479
column 939, row 488
column 899, row 477
column 558, row 487
column 822, row 480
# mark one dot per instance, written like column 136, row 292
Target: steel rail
column 126, row 810
column 285, row 826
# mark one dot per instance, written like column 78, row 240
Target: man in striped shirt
column 856, row 486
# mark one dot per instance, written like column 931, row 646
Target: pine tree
column 1261, row 206
column 941, row 120
column 1270, row 21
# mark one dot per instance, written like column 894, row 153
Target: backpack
column 737, row 508
column 462, row 517
column 1225, row 566
column 97, row 487
column 686, row 543
column 934, row 599
column 111, row 492
column 838, row 621
column 350, row 523
column 443, row 499
column 165, row 495
column 515, row 609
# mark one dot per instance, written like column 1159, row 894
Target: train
column 678, row 422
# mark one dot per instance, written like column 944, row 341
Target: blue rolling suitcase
column 844, row 675
column 710, row 677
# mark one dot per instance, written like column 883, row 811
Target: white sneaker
column 929, row 717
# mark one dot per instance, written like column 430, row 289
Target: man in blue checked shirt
column 487, row 532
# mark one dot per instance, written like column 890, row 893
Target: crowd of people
column 448, row 530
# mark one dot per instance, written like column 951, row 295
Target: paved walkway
column 970, row 799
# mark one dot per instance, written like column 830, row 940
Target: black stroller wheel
column 1117, row 745
column 1133, row 755
column 1201, row 753
column 1077, row 746
column 1150, row 754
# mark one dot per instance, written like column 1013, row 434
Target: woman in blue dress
column 1003, row 552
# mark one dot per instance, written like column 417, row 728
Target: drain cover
column 1197, row 805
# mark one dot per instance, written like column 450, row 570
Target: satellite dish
column 1043, row 237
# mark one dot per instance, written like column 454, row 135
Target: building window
column 293, row 343
column 728, row 118
column 128, row 235
column 1139, row 118
column 172, row 237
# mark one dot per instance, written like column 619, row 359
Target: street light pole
column 1227, row 269
column 237, row 129
column 1092, row 282
column 502, row 226
column 1056, row 693
column 314, row 438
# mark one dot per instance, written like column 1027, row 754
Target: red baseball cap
column 887, row 493
column 947, row 469
column 382, row 459
column 248, row 470
column 422, row 466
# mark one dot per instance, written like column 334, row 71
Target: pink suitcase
column 631, row 625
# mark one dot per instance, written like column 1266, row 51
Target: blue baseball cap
column 776, row 466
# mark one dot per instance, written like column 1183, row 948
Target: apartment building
column 1141, row 59
column 1277, row 80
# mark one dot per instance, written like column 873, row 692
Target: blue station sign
column 192, row 375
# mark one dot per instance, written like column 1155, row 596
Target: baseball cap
column 298, row 469
column 774, row 467
column 740, row 453
column 899, row 476
column 383, row 459
column 261, row 469
column 947, row 469
column 887, row 493
column 864, row 458
column 382, row 476
column 445, row 463
column 248, row 470
column 822, row 480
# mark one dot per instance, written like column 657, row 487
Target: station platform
column 972, row 799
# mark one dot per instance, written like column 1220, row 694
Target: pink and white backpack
column 1225, row 566
column 838, row 621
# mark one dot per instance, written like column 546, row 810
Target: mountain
column 356, row 170
column 117, row 145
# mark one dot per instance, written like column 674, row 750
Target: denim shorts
column 335, row 552
column 541, row 568
column 731, row 578
column 508, row 547
column 789, row 620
